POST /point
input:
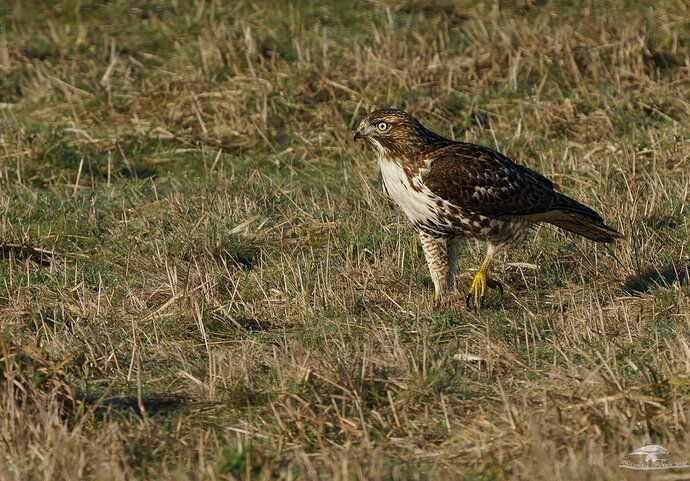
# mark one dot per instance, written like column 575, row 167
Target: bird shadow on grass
column 667, row 275
column 152, row 404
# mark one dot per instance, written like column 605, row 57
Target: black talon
column 470, row 297
column 491, row 284
column 495, row 285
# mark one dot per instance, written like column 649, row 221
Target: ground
column 202, row 279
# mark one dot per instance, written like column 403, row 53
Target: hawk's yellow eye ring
column 382, row 126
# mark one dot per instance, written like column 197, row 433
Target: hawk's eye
column 382, row 126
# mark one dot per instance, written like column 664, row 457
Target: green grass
column 200, row 277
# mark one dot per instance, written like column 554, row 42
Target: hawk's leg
column 482, row 280
column 436, row 252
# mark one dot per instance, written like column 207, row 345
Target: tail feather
column 583, row 225
column 570, row 215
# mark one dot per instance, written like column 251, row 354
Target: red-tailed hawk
column 450, row 190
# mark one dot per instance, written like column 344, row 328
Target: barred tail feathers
column 570, row 215
column 584, row 225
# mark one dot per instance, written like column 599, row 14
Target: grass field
column 202, row 279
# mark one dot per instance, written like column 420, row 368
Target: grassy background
column 201, row 278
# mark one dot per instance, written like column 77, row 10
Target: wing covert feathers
column 486, row 182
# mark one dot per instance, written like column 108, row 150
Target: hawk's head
column 394, row 133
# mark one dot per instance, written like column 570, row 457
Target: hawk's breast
column 424, row 209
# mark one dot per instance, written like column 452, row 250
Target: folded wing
column 482, row 180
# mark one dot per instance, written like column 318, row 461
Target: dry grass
column 201, row 278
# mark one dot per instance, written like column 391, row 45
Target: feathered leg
column 436, row 252
column 482, row 280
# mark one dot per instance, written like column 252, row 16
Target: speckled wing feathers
column 483, row 181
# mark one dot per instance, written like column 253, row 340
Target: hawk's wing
column 484, row 181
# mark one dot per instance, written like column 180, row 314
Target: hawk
column 450, row 190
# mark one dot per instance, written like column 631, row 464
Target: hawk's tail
column 585, row 226
column 570, row 215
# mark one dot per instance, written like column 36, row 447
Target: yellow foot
column 478, row 289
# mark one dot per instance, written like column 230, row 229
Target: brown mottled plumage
column 451, row 189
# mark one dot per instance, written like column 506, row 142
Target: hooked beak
column 359, row 133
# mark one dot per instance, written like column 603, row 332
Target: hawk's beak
column 357, row 135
